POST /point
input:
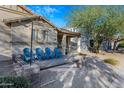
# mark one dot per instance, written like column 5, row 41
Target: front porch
column 64, row 41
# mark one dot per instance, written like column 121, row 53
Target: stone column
column 79, row 45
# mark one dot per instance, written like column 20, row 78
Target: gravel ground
column 93, row 74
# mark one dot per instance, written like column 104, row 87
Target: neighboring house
column 16, row 24
column 86, row 40
column 72, row 29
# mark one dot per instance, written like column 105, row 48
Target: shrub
column 14, row 82
column 111, row 61
column 121, row 45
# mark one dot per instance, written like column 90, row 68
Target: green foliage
column 111, row 61
column 121, row 45
column 99, row 22
column 14, row 82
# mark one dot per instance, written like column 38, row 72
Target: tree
column 100, row 22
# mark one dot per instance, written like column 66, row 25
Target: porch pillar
column 67, row 45
column 59, row 40
column 79, row 45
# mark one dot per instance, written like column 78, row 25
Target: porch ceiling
column 69, row 33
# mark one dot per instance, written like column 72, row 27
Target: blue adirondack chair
column 48, row 53
column 39, row 54
column 52, row 54
column 57, row 52
column 27, row 55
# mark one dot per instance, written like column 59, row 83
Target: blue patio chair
column 52, row 54
column 27, row 55
column 58, row 53
column 48, row 53
column 39, row 54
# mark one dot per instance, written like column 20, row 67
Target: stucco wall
column 21, row 37
column 16, row 38
column 5, row 45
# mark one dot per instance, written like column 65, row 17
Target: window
column 34, row 37
column 10, row 6
column 45, row 35
column 17, row 8
column 37, row 32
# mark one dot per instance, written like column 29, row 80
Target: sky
column 54, row 13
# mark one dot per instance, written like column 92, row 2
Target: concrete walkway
column 93, row 74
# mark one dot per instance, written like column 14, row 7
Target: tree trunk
column 116, row 42
column 97, row 45
column 114, row 47
column 109, row 46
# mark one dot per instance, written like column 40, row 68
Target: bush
column 14, row 82
column 111, row 61
column 121, row 45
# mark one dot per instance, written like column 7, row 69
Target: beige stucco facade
column 43, row 37
column 17, row 36
column 15, row 32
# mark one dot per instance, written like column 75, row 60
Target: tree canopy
column 100, row 22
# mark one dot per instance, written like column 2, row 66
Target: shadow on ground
column 94, row 74
column 97, row 74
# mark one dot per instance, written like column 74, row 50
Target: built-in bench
column 45, row 64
